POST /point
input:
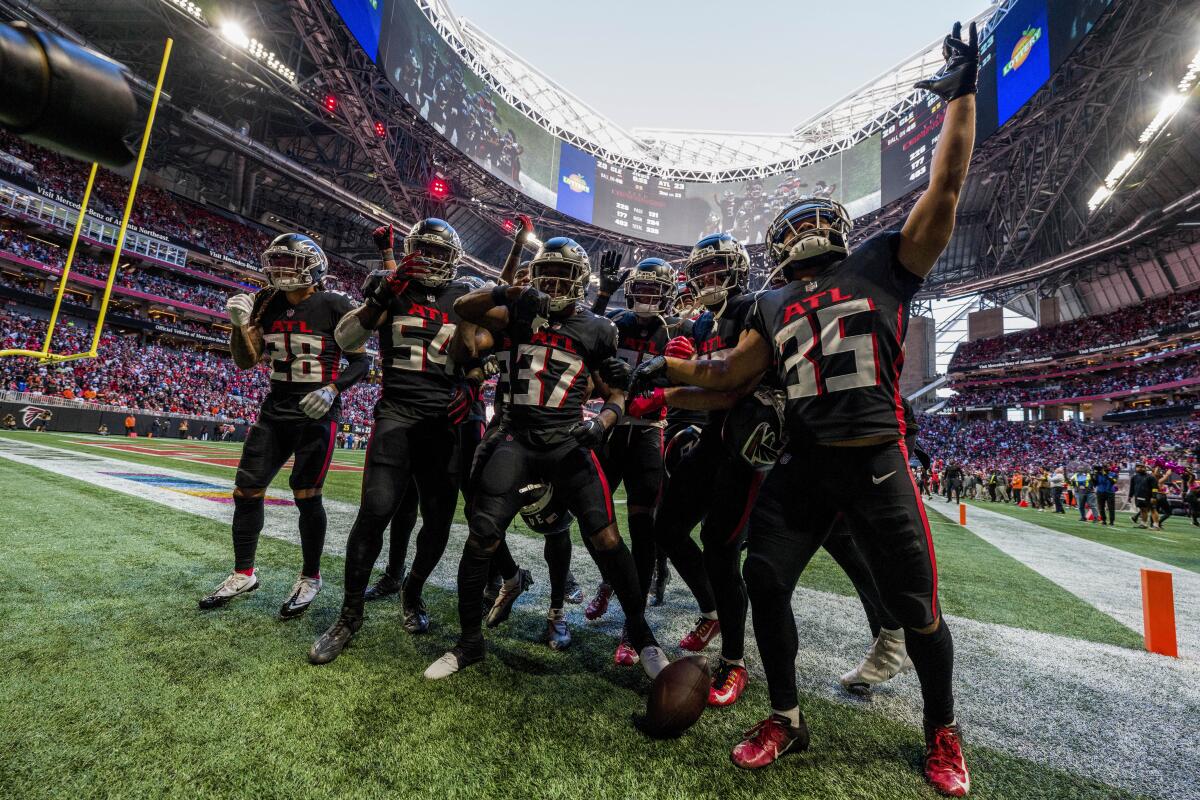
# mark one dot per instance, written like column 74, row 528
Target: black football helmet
column 650, row 287
column 294, row 261
column 717, row 267
column 561, row 270
column 439, row 245
column 542, row 511
column 753, row 430
column 810, row 234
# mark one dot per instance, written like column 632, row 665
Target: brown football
column 677, row 698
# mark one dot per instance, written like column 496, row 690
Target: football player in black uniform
column 291, row 323
column 424, row 396
column 549, row 349
column 709, row 486
column 834, row 337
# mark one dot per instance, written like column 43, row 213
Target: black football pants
column 793, row 515
column 634, row 454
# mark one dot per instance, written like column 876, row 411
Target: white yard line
column 1105, row 577
column 1122, row 717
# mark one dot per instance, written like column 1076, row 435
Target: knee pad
column 481, row 546
column 606, row 539
column 760, row 576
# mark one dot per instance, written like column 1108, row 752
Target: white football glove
column 239, row 308
column 318, row 402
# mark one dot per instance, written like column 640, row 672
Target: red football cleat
column 599, row 604
column 768, row 740
column 706, row 630
column 727, row 684
column 625, row 656
column 945, row 767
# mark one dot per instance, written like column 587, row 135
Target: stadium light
column 233, row 32
column 1098, row 199
column 330, row 103
column 1120, row 169
column 438, row 188
column 380, row 130
column 190, row 8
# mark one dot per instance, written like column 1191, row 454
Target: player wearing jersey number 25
column 833, row 337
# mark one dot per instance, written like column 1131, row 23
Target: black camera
column 59, row 95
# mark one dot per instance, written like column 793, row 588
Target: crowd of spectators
column 1126, row 324
column 154, row 210
column 987, row 445
column 1123, row 379
column 146, row 375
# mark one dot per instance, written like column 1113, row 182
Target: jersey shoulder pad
column 340, row 301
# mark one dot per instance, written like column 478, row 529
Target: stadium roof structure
column 708, row 156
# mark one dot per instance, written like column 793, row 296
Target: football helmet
column 717, row 267
column 754, row 432
column 561, row 270
column 812, row 233
column 543, row 512
column 294, row 261
column 439, row 246
column 650, row 287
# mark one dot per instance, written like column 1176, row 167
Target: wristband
column 388, row 255
column 500, row 295
column 616, row 409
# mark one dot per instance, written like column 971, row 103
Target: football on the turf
column 677, row 698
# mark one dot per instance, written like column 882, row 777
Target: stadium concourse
column 434, row 414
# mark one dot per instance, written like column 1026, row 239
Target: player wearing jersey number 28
column 291, row 324
column 833, row 336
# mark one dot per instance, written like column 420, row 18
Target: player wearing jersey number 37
column 833, row 337
column 291, row 324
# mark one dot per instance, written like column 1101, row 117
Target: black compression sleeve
column 601, row 305
column 356, row 370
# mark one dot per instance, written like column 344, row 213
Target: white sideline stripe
column 1122, row 717
column 1104, row 577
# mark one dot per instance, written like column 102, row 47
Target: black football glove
column 611, row 274
column 615, row 373
column 382, row 285
column 385, row 240
column 649, row 375
column 530, row 305
column 590, row 432
column 960, row 75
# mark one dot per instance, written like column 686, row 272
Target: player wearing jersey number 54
column 833, row 337
column 291, row 324
column 411, row 305
column 549, row 347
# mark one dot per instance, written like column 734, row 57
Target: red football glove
column 680, row 347
column 385, row 239
column 525, row 226
column 645, row 406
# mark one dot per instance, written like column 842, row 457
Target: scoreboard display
column 632, row 202
column 907, row 148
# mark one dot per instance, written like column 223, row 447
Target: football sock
column 403, row 522
column 617, row 569
column 505, row 565
column 792, row 714
column 246, row 572
column 413, row 584
column 557, row 550
column 247, row 524
column 734, row 662
column 641, row 538
column 472, row 576
column 312, row 533
column 708, row 614
column 932, row 655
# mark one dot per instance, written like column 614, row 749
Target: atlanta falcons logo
column 30, row 413
column 763, row 447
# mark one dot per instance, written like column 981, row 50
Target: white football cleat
column 885, row 659
column 235, row 585
column 454, row 660
column 304, row 591
column 654, row 660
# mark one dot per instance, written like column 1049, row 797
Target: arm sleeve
column 601, row 305
column 356, row 370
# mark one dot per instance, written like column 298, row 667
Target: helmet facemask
column 810, row 235
column 711, row 280
column 438, row 260
column 290, row 270
column 648, row 294
column 562, row 281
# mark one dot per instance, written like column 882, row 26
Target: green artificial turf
column 1177, row 545
column 116, row 686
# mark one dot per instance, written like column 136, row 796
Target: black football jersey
column 724, row 336
column 639, row 339
column 414, row 350
column 298, row 340
column 837, row 344
column 541, row 394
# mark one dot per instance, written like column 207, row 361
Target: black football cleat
column 490, row 592
column 658, row 587
column 333, row 641
column 503, row 606
column 386, row 586
column 416, row 618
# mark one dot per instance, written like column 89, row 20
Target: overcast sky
column 753, row 65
